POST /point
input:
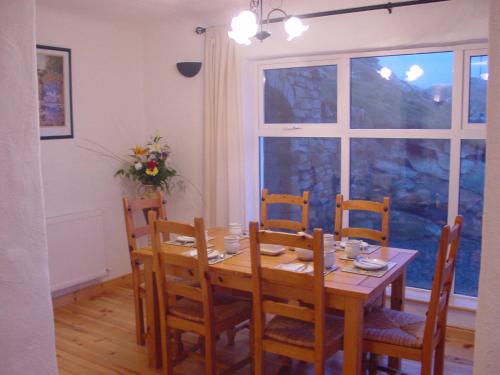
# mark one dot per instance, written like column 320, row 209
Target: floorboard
column 97, row 336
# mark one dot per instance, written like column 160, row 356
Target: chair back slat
column 141, row 231
column 381, row 236
column 289, row 311
column 370, row 234
column 306, row 287
column 442, row 283
column 301, row 201
column 142, row 203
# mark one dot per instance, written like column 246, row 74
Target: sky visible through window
column 435, row 68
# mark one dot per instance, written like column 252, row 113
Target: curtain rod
column 385, row 6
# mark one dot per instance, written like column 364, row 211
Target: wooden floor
column 97, row 336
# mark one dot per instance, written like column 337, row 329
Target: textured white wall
column 487, row 351
column 108, row 108
column 26, row 325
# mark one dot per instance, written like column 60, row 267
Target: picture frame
column 54, row 92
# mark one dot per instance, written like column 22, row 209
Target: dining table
column 348, row 292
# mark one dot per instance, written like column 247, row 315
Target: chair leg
column 426, row 365
column 439, row 358
column 319, row 368
column 140, row 333
column 166, row 352
column 258, row 359
column 210, row 355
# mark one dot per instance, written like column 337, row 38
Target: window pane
column 402, row 91
column 414, row 173
column 301, row 95
column 472, row 159
column 293, row 165
column 478, row 85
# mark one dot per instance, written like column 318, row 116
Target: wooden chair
column 300, row 332
column 196, row 309
column 403, row 335
column 134, row 232
column 380, row 236
column 302, row 202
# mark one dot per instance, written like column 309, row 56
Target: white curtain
column 224, row 190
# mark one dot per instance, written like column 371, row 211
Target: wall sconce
column 189, row 69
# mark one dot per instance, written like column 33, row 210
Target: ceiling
column 207, row 12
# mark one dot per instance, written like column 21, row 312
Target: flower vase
column 149, row 192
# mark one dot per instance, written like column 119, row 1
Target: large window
column 402, row 124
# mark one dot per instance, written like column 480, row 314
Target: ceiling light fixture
column 245, row 26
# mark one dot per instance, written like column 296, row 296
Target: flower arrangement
column 149, row 164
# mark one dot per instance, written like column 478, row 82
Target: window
column 301, row 95
column 406, row 126
column 293, row 165
column 415, row 174
column 402, row 91
column 478, row 80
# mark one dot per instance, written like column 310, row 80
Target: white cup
column 235, row 228
column 328, row 242
column 231, row 244
column 352, row 248
column 329, row 258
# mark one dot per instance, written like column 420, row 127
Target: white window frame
column 342, row 130
column 466, row 81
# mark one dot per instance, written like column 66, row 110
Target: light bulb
column 294, row 27
column 244, row 26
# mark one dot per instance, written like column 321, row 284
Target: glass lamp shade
column 294, row 27
column 243, row 27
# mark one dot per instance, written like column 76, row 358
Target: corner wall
column 26, row 322
column 487, row 351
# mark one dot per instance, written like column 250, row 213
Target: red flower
column 151, row 164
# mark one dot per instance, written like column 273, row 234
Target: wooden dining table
column 348, row 292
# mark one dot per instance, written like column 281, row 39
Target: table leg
column 153, row 343
column 353, row 336
column 397, row 303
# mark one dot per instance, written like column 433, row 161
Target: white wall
column 487, row 349
column 108, row 108
column 26, row 325
column 174, row 107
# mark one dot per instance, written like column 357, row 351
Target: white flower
column 138, row 166
column 155, row 147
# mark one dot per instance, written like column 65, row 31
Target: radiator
column 76, row 249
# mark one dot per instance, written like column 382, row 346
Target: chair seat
column 301, row 333
column 225, row 307
column 395, row 327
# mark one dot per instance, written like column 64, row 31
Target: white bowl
column 307, row 255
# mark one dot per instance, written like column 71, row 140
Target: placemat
column 193, row 253
column 184, row 244
column 378, row 273
column 281, row 266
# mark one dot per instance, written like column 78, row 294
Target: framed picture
column 54, row 92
